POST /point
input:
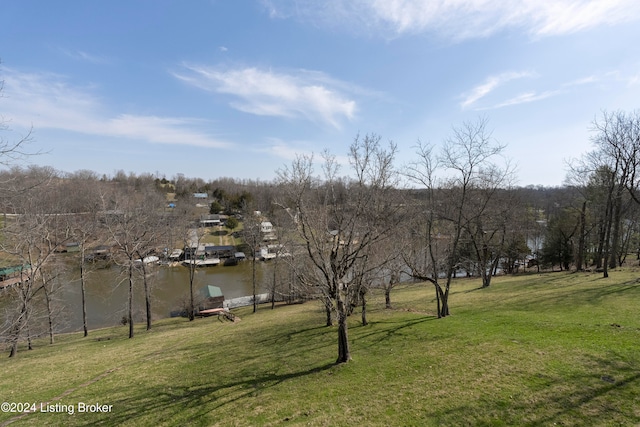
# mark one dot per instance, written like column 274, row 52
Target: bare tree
column 617, row 139
column 253, row 237
column 388, row 255
column 86, row 193
column 457, row 206
column 281, row 286
column 30, row 239
column 191, row 236
column 487, row 226
column 426, row 256
column 339, row 220
column 51, row 283
column 131, row 218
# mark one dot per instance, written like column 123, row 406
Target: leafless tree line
column 345, row 228
column 454, row 210
column 344, row 234
column 599, row 226
column 46, row 213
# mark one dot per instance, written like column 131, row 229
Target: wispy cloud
column 80, row 55
column 572, row 86
column 583, row 81
column 459, row 19
column 301, row 94
column 161, row 130
column 290, row 150
column 527, row 97
column 628, row 76
column 287, row 150
column 49, row 101
column 490, row 84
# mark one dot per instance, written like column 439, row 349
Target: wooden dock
column 9, row 282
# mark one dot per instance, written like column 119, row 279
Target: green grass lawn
column 550, row 349
column 221, row 236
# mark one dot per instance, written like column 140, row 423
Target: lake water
column 107, row 291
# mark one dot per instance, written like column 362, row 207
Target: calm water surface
column 107, row 291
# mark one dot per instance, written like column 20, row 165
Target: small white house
column 210, row 220
column 266, row 227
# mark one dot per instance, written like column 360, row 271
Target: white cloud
column 527, row 97
column 628, row 75
column 491, row 83
column 583, row 81
column 161, row 130
column 569, row 16
column 84, row 56
column 48, row 101
column 494, row 82
column 303, row 94
column 290, row 150
column 287, row 150
column 459, row 19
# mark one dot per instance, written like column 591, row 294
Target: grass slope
column 551, row 349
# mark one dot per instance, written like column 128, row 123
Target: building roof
column 210, row 291
column 219, row 248
column 13, row 269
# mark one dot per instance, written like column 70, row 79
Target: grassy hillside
column 551, row 349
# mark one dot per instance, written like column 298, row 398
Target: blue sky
column 237, row 88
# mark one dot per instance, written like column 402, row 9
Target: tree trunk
column 580, row 255
column 344, row 354
column 147, row 300
column 130, row 298
column 15, row 336
column 275, row 281
column 291, row 285
column 29, row 343
column 14, row 349
column 17, row 330
column 615, row 237
column 83, row 293
column 444, row 299
column 387, row 297
column 486, row 278
column 253, row 278
column 626, row 240
column 192, row 272
column 600, row 247
column 608, row 223
column 328, row 308
column 47, row 297
column 147, row 292
column 607, row 245
column 364, row 309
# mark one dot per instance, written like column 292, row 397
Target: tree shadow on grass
column 557, row 291
column 574, row 297
column 480, row 288
column 382, row 330
column 605, row 395
column 295, row 337
column 194, row 404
